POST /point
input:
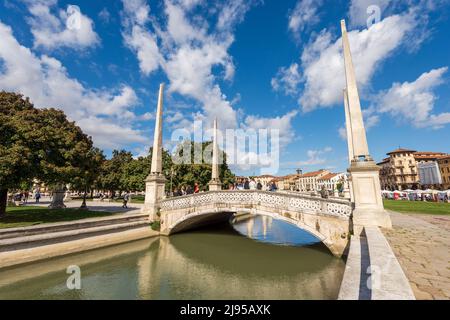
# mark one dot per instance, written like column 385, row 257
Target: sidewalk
column 133, row 208
column 422, row 245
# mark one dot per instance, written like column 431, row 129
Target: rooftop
column 329, row 176
column 401, row 150
column 312, row 174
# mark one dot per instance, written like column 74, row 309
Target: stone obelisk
column 215, row 184
column 364, row 173
column 155, row 182
column 348, row 192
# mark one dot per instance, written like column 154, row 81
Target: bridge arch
column 328, row 220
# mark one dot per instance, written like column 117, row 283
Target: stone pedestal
column 365, row 184
column 67, row 196
column 215, row 185
column 58, row 199
column 154, row 192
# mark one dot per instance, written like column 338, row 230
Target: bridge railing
column 276, row 200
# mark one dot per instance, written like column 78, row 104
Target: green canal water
column 256, row 258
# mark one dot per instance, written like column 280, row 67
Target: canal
column 253, row 258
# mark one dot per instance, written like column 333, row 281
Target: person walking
column 259, row 185
column 196, row 188
column 273, row 187
column 246, row 185
column 252, row 184
column 126, row 198
column 37, row 196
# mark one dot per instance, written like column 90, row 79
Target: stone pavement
column 422, row 245
column 115, row 207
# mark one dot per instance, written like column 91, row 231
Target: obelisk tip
column 343, row 27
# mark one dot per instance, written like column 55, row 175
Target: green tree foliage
column 37, row 143
column 198, row 170
column 113, row 171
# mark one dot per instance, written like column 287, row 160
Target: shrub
column 155, row 225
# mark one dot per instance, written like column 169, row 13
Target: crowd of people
column 244, row 184
column 418, row 195
column 23, row 197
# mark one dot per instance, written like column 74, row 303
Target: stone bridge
column 327, row 219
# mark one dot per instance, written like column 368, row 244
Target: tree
column 136, row 171
column 112, row 171
column 37, row 143
column 191, row 172
column 89, row 168
column 16, row 156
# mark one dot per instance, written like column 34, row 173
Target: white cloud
column 342, row 131
column 322, row 61
column 66, row 28
column 287, row 79
column 189, row 49
column 304, row 14
column 146, row 48
column 315, row 157
column 136, row 13
column 192, row 51
column 282, row 124
column 231, row 13
column 370, row 121
column 414, row 101
column 104, row 114
column 108, row 134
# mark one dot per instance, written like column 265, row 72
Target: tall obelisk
column 155, row 182
column 364, row 173
column 215, row 184
column 348, row 192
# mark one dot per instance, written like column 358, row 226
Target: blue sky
column 252, row 64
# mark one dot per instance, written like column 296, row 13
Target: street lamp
column 172, row 172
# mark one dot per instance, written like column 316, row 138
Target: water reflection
column 264, row 228
column 211, row 263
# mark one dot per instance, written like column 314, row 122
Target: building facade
column 400, row 171
column 331, row 181
column 444, row 168
column 308, row 182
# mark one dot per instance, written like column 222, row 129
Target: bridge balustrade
column 277, row 200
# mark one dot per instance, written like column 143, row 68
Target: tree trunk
column 83, row 204
column 3, row 200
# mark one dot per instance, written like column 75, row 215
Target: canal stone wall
column 327, row 219
column 372, row 272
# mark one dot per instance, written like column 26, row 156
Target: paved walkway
column 422, row 245
column 95, row 205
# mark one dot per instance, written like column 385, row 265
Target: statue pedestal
column 58, row 199
column 369, row 209
column 215, row 185
column 67, row 196
column 154, row 192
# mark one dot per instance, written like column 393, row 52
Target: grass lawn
column 418, row 207
column 31, row 215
